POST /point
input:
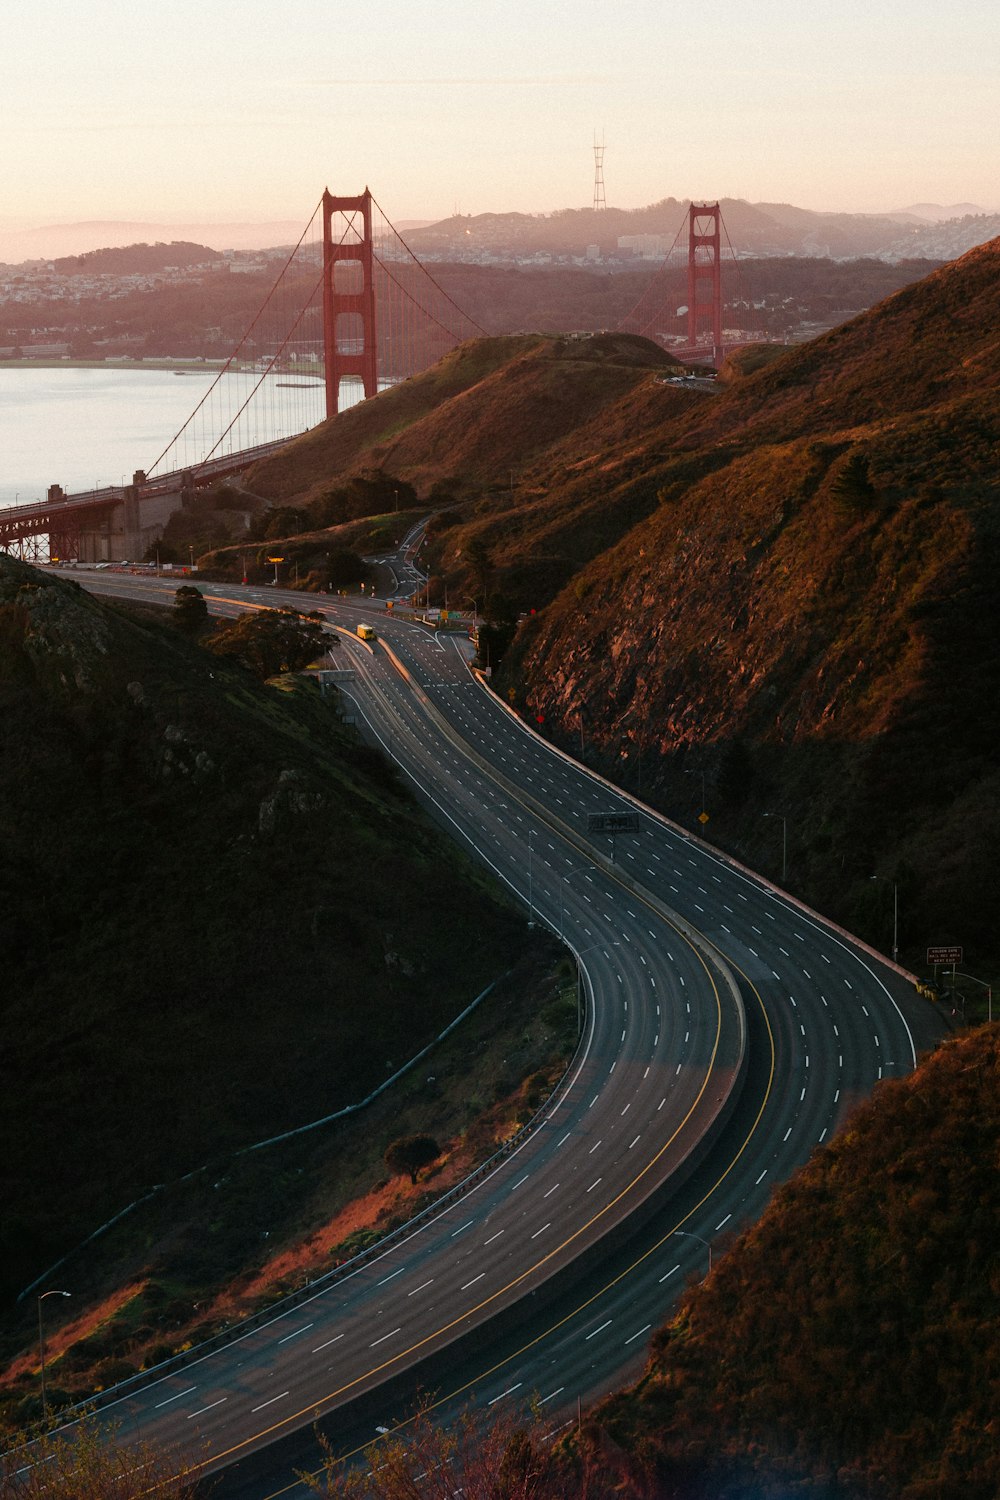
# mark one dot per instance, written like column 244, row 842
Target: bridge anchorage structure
column 705, row 328
column 351, row 312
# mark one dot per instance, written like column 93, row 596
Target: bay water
column 89, row 427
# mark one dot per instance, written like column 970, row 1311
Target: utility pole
column 784, row 843
column 895, row 914
column 531, row 893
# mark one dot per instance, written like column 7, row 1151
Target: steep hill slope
column 202, row 933
column 490, row 403
column 848, row 1344
column 807, row 613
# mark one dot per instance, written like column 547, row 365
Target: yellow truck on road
column 366, row 633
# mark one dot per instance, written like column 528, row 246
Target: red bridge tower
column 705, row 265
column 348, row 297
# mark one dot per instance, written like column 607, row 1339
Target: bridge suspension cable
column 672, row 314
column 471, row 326
column 649, row 310
column 230, row 408
column 272, row 384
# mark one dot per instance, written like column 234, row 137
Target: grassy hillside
column 848, row 1344
column 202, row 932
column 488, row 405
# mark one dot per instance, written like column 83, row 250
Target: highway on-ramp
column 729, row 1031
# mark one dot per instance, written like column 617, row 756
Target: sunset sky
column 216, row 110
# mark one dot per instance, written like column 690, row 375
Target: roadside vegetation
column 90, row 1466
column 250, row 1227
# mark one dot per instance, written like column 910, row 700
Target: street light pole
column 784, row 842
column 579, row 978
column 531, row 894
column 700, row 773
column 958, row 974
column 686, row 1234
column 895, row 914
column 41, row 1344
column 562, row 894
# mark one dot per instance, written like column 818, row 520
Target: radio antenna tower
column 599, row 199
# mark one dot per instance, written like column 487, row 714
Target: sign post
column 613, row 823
column 946, row 954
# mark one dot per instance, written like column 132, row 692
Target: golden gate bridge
column 706, row 337
column 352, row 312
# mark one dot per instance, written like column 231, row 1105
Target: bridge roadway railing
column 167, row 483
column 661, row 1190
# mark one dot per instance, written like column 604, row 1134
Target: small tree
column 480, row 563
column 274, row 641
column 286, row 520
column 409, row 1153
column 504, row 1455
column 190, row 609
column 852, row 488
column 735, row 773
column 161, row 552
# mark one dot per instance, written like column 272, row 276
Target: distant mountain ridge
column 125, row 259
column 935, row 212
column 757, row 228
column 48, row 242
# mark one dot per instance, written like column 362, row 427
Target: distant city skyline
column 226, row 112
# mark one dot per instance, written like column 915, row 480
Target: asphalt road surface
column 728, row 1031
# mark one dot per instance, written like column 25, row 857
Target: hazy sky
column 218, row 110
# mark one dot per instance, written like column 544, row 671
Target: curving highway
column 728, row 1032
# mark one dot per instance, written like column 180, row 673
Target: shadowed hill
column 848, row 1344
column 202, row 933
